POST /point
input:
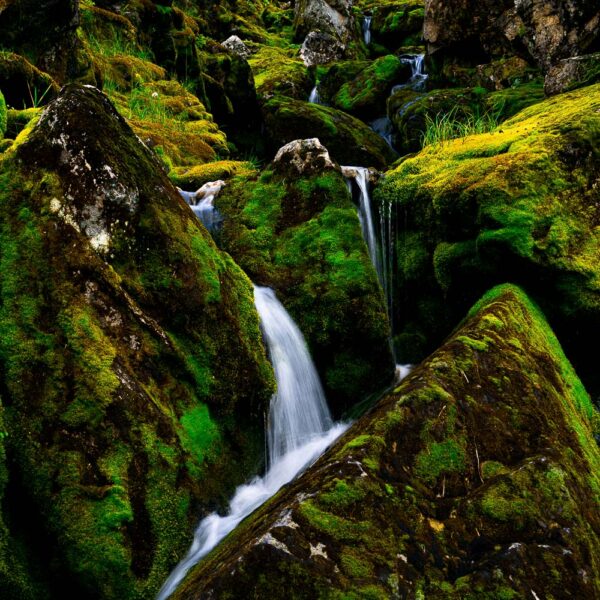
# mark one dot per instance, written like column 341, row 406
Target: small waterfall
column 202, row 203
column 365, row 214
column 315, row 97
column 299, row 431
column 418, row 76
column 366, row 27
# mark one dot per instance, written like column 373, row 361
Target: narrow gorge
column 299, row 300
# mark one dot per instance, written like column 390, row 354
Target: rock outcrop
column 133, row 375
column 542, row 32
column 302, row 158
column 519, row 203
column 477, row 477
column 294, row 228
column 334, row 18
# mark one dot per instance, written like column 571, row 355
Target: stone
column 475, row 473
column 334, row 18
column 572, row 72
column 320, row 48
column 235, row 45
column 302, row 157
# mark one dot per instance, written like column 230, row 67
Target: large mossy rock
column 395, row 23
column 520, row 204
column 45, row 31
column 332, row 17
column 295, row 228
column 478, row 477
column 366, row 95
column 134, row 379
column 348, row 139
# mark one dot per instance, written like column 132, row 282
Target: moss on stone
column 473, row 491
column 145, row 415
column 302, row 237
column 518, row 204
column 2, row 116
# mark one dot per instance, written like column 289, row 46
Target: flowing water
column 315, row 97
column 299, row 430
column 202, row 203
column 365, row 214
column 418, row 76
column 366, row 27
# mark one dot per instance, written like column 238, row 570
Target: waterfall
column 202, row 203
column 384, row 128
column 299, row 430
column 315, row 97
column 418, row 76
column 365, row 215
column 383, row 255
column 366, row 27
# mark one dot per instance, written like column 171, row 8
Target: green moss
column 201, row 436
column 440, row 458
column 366, row 94
column 2, row 116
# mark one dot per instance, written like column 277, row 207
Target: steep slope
column 478, row 477
column 133, row 374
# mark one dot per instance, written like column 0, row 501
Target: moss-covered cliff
column 476, row 478
column 519, row 203
column 134, row 379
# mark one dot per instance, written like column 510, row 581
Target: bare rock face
column 235, row 45
column 576, row 70
column 334, row 18
column 303, row 157
column 320, row 49
column 540, row 31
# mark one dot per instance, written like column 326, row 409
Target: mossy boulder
column 396, row 23
column 412, row 112
column 518, row 203
column 478, row 477
column 192, row 178
column 348, row 139
column 128, row 411
column 338, row 74
column 46, row 32
column 3, row 120
column 299, row 233
column 280, row 71
column 366, row 95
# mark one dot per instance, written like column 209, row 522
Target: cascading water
column 202, row 203
column 366, row 27
column 315, row 97
column 365, row 214
column 299, row 430
column 382, row 256
column 418, row 76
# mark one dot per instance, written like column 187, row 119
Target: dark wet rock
column 130, row 408
column 478, row 472
column 541, row 32
column 45, row 31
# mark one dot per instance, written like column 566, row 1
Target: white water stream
column 315, row 97
column 299, row 430
column 366, row 27
column 202, row 203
